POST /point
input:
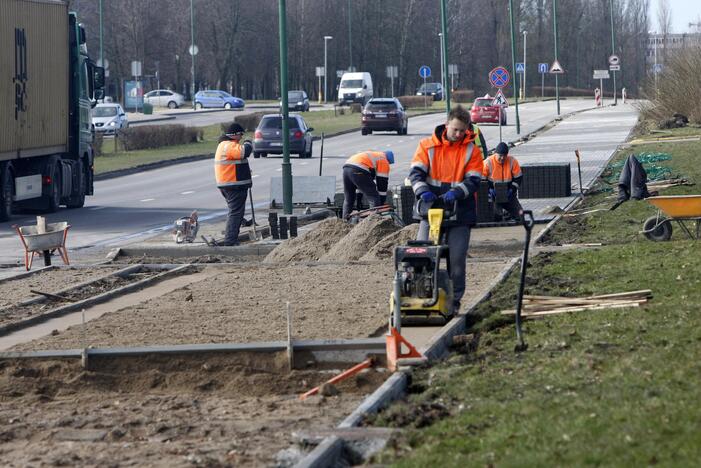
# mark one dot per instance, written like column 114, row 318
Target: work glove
column 449, row 197
column 428, row 196
column 492, row 194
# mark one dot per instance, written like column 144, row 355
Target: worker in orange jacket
column 447, row 168
column 368, row 173
column 503, row 173
column 233, row 175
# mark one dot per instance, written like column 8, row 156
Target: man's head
column 457, row 124
column 234, row 131
column 390, row 156
column 502, row 150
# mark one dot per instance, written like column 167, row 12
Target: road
column 131, row 208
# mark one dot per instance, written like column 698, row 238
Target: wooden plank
column 612, row 305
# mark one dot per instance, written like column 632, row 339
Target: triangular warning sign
column 500, row 99
column 556, row 67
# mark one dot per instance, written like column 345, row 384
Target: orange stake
column 342, row 376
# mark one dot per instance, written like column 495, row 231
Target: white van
column 355, row 87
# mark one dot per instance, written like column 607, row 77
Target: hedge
column 463, row 95
column 156, row 136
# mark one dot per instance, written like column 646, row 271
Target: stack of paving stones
column 546, row 180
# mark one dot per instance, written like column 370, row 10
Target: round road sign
column 499, row 77
column 614, row 60
column 424, row 71
column 193, row 50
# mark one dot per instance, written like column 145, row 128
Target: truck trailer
column 49, row 86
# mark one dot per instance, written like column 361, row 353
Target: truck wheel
column 54, row 197
column 5, row 193
column 77, row 199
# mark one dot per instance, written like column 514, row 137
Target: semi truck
column 48, row 87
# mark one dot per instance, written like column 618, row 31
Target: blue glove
column 428, row 196
column 449, row 197
column 510, row 194
column 492, row 194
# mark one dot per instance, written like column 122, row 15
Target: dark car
column 483, row 110
column 297, row 101
column 268, row 136
column 384, row 114
column 431, row 89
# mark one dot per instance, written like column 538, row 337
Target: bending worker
column 449, row 165
column 233, row 176
column 368, row 173
column 503, row 173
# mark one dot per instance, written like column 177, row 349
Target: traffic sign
column 543, row 68
column 520, row 67
column 614, row 60
column 499, row 77
column 320, row 72
column 106, row 62
column 500, row 99
column 193, row 49
column 556, row 68
column 657, row 68
column 135, row 68
column 601, row 74
column 424, row 71
column 614, row 67
column 392, row 71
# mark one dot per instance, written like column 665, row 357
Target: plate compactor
column 422, row 271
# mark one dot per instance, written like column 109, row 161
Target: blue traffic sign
column 520, row 67
column 499, row 77
column 543, row 67
column 424, row 71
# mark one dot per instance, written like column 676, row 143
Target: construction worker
column 449, row 165
column 368, row 173
column 504, row 176
column 233, row 176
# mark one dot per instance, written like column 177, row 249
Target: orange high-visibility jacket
column 231, row 167
column 507, row 171
column 440, row 165
column 375, row 164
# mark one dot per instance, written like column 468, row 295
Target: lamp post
column 326, row 68
column 350, row 39
column 286, row 165
column 557, row 82
column 192, row 51
column 440, row 39
column 102, row 57
column 444, row 42
column 513, row 63
column 613, row 51
column 524, row 65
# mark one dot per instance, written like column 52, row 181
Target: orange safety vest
column 494, row 171
column 230, row 166
column 370, row 161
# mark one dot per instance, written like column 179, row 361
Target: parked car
column 431, row 89
column 109, row 117
column 384, row 114
column 483, row 111
column 297, row 101
column 267, row 138
column 164, row 98
column 218, row 99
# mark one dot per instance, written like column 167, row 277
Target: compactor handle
column 528, row 220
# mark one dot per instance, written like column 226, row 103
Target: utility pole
column 286, row 166
column 525, row 65
column 557, row 83
column 326, row 68
column 440, row 39
column 613, row 52
column 350, row 39
column 102, row 57
column 513, row 64
column 444, row 41
column 192, row 51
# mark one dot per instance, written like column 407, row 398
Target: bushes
column 409, row 102
column 156, row 136
column 249, row 122
column 97, row 144
column 463, row 95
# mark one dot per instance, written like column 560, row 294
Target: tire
column 198, row 106
column 78, row 201
column 256, row 155
column 663, row 231
column 363, row 131
column 6, row 190
column 400, row 131
column 174, row 105
column 406, row 129
column 227, row 105
column 54, row 198
column 265, row 155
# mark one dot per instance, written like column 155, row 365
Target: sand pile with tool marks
column 312, row 245
column 384, row 249
column 361, row 239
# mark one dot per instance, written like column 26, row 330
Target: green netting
column 648, row 160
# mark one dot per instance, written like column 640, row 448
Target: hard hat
column 390, row 156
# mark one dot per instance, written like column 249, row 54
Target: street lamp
column 193, row 51
column 326, row 68
column 440, row 39
column 524, row 65
column 613, row 52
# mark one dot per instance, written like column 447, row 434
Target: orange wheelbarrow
column 679, row 208
column 35, row 244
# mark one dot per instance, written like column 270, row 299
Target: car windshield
column 224, row 94
column 352, row 84
column 294, row 96
column 483, row 103
column 429, row 87
column 381, row 106
column 276, row 122
column 109, row 111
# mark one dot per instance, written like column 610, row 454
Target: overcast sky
column 683, row 13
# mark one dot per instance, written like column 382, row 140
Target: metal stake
column 290, row 350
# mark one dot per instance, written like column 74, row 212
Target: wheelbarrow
column 679, row 208
column 37, row 244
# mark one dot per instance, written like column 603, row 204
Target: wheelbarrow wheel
column 657, row 229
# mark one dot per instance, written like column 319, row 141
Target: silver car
column 164, row 98
column 109, row 118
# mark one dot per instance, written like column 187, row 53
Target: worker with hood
column 366, row 172
column 503, row 173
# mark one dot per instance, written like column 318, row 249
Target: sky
column 683, row 13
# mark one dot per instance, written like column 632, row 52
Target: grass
column 612, row 387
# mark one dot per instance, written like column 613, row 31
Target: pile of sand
column 384, row 249
column 361, row 239
column 312, row 245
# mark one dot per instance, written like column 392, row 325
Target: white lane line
column 279, row 169
column 94, row 208
column 147, row 199
column 303, row 164
column 187, row 192
column 254, row 176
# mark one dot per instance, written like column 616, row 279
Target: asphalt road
column 134, row 207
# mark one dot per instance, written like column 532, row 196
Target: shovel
column 528, row 223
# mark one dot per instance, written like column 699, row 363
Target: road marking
column 279, row 169
column 187, row 192
column 254, row 176
column 303, row 164
column 147, row 199
column 94, row 208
